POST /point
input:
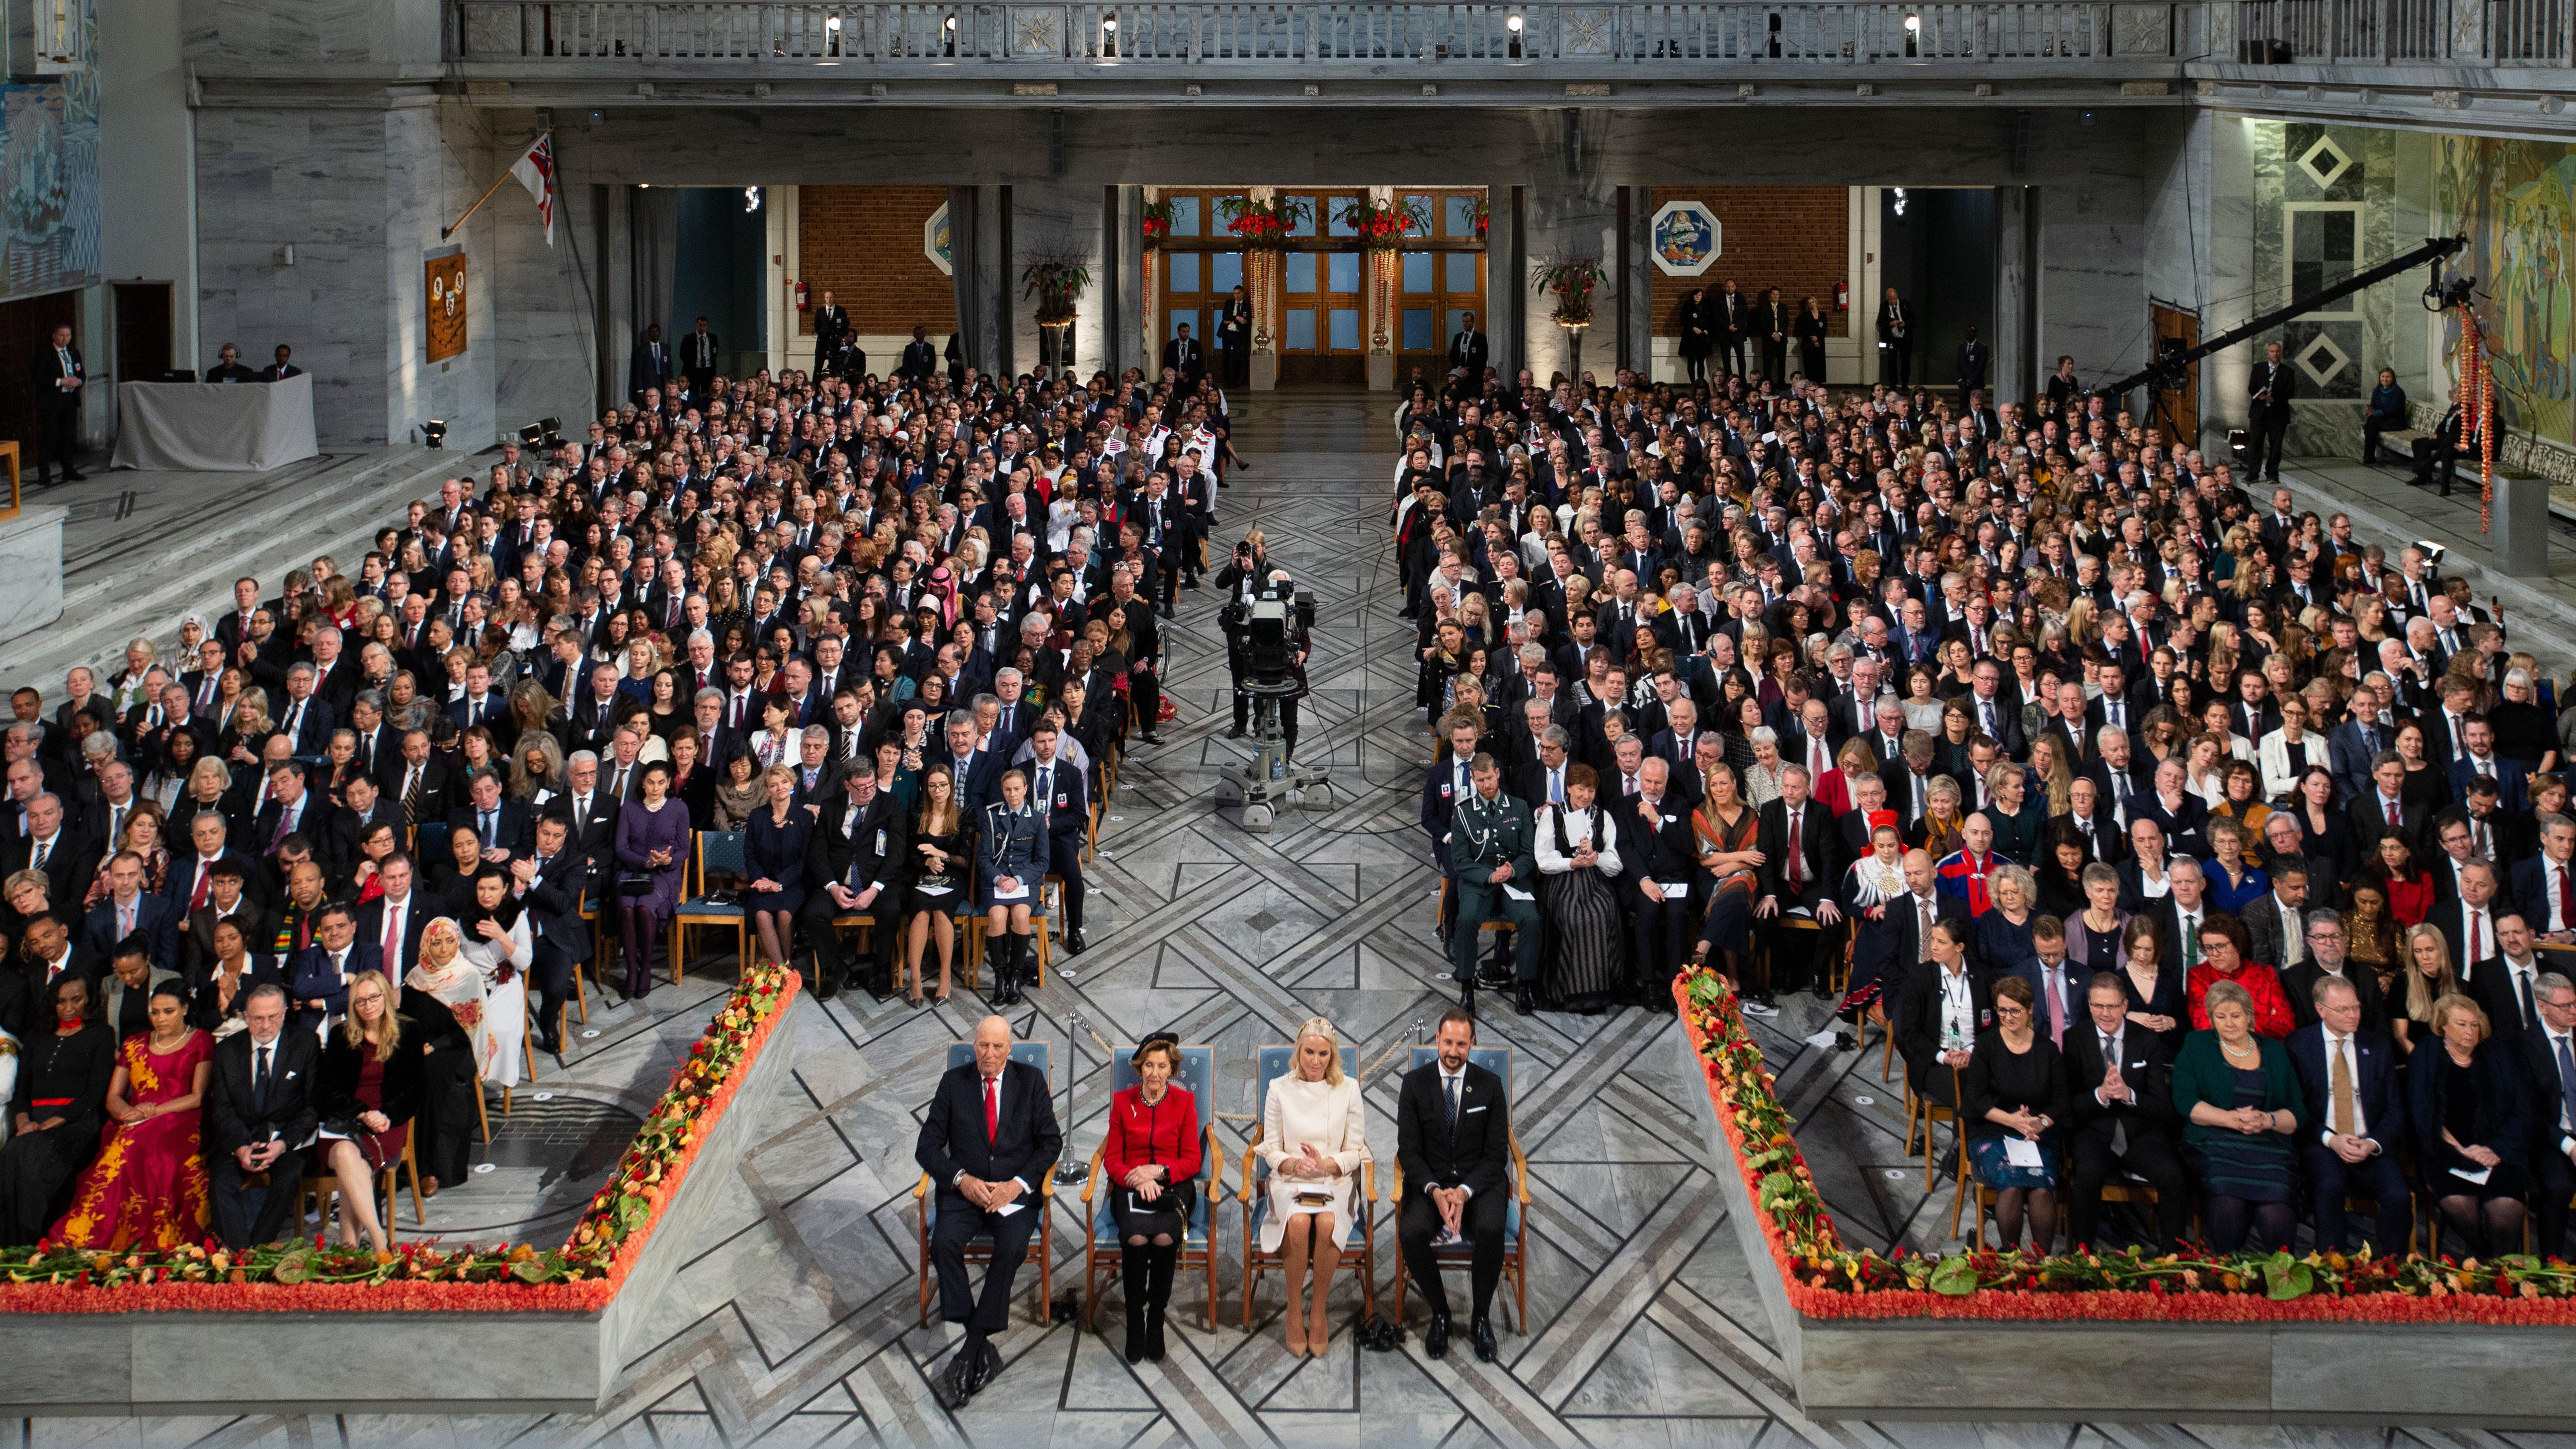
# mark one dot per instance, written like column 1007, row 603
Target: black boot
column 1000, row 994
column 1158, row 1293
column 1132, row 1275
column 1024, row 962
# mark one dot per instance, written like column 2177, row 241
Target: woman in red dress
column 147, row 1186
column 1151, row 1156
column 2407, row 887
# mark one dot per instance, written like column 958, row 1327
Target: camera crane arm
column 2168, row 370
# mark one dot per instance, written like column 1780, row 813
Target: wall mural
column 2516, row 200
column 48, row 185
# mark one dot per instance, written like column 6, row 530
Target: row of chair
column 1197, row 1074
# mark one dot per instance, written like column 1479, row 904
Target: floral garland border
column 1826, row 1279
column 300, row 1277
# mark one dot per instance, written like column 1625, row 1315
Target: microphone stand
column 1068, row 1171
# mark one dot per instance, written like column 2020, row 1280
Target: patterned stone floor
column 798, row 1328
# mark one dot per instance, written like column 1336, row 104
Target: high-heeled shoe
column 1296, row 1329
column 1319, row 1328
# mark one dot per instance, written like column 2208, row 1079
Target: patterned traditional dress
column 147, row 1186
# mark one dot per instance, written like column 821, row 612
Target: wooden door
column 2176, row 411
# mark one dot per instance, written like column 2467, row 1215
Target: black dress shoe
column 987, row 1369
column 1149, row 737
column 1481, row 1333
column 824, row 987
column 959, row 1381
column 1521, row 1001
column 1235, row 733
column 1074, row 945
column 1435, row 1339
column 71, row 477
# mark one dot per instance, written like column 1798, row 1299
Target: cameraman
column 1237, row 620
column 1239, row 581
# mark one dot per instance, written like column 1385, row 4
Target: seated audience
column 366, row 1092
column 2241, row 1107
column 2120, row 1102
column 147, row 1187
column 2348, row 1076
column 2472, row 1121
column 64, row 1073
column 260, row 1119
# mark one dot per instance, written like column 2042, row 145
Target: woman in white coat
column 1314, row 1137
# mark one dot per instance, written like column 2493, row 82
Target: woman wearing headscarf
column 496, row 941
column 444, row 993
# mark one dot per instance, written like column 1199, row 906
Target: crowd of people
column 287, row 898
column 989, row 1136
column 2169, row 833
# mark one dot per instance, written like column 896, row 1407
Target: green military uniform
column 1484, row 835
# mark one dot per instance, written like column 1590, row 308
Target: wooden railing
column 1289, row 33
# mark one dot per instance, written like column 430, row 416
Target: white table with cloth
column 214, row 426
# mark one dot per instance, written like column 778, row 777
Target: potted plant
column 1158, row 222
column 1057, row 281
column 1571, row 281
column 1384, row 225
column 1264, row 226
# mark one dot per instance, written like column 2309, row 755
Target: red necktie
column 1797, row 860
column 2477, row 948
column 393, row 935
column 197, row 897
column 992, row 1109
column 2392, row 815
column 2566, row 899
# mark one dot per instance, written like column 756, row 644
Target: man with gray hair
column 260, row 1118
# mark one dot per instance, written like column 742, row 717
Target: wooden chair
column 1516, row 1200
column 1931, row 1114
column 980, row 1248
column 319, row 1194
column 2368, row 1207
column 720, row 851
column 973, row 937
column 1102, row 1247
column 1770, row 975
column 1273, row 1061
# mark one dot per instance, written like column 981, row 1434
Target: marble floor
column 800, row 1327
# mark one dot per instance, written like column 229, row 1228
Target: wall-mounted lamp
column 286, row 255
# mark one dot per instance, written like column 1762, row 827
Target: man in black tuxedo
column 1234, row 337
column 2349, row 1074
column 650, row 367
column 698, row 359
column 988, row 1139
column 2268, row 391
column 1453, row 1126
column 1182, row 355
column 53, row 846
column 1658, row 860
column 1469, row 351
column 831, row 324
column 57, row 377
column 548, row 881
column 920, row 359
column 855, row 861
column 1734, row 325
column 2123, row 1116
column 260, row 1117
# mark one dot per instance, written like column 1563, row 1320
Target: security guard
column 1494, row 874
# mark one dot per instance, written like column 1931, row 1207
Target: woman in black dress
column 2015, row 1087
column 445, row 1107
column 61, row 1101
column 2471, row 1123
column 1811, row 340
column 774, row 849
column 942, row 847
column 366, row 1091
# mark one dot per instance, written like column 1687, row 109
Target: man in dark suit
column 294, row 808
column 698, row 359
column 57, row 377
column 227, row 899
column 130, row 910
column 1064, row 795
column 418, row 783
column 988, row 1139
column 395, row 920
column 2478, row 757
column 1469, row 351
column 855, row 862
column 2349, row 1075
column 2382, row 803
column 920, row 359
column 1658, row 859
column 976, row 771
column 1453, row 1122
column 66, row 856
column 281, row 369
column 2268, row 390
column 2121, row 1087
column 651, row 365
column 2506, row 985
column 1182, row 355
column 2327, row 946
column 1907, row 944
column 1799, row 875
column 501, row 825
column 2548, row 1053
column 549, row 881
column 1234, row 337
column 259, row 1114
column 318, row 976
column 831, row 324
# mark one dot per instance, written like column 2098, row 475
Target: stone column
column 2013, row 377
column 1636, row 273
column 1377, row 305
column 1265, row 276
column 1572, row 215
column 1058, row 218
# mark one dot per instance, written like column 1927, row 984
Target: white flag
column 536, row 171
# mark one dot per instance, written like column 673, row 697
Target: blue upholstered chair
column 1274, row 1061
column 1102, row 1249
column 1461, row 1254
column 979, row 1249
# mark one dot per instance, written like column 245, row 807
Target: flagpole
column 445, row 232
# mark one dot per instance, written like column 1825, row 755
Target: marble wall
column 2092, row 288
column 1057, row 217
column 430, row 179
column 310, row 36
column 543, row 304
column 2322, row 211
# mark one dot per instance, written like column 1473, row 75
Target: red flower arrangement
column 1383, row 226
column 1826, row 1279
column 1265, row 228
column 1158, row 222
column 579, row 1277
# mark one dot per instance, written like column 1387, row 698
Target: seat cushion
column 709, row 908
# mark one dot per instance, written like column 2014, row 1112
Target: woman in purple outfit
column 652, row 843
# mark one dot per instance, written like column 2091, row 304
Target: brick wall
column 864, row 244
column 1796, row 238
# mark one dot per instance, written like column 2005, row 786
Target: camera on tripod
column 1272, row 625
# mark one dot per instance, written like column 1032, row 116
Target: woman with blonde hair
column 1314, row 1138
column 367, row 1091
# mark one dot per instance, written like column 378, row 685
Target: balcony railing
column 1290, row 33
column 2481, row 32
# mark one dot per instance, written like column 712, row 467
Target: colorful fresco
column 48, row 185
column 2516, row 200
